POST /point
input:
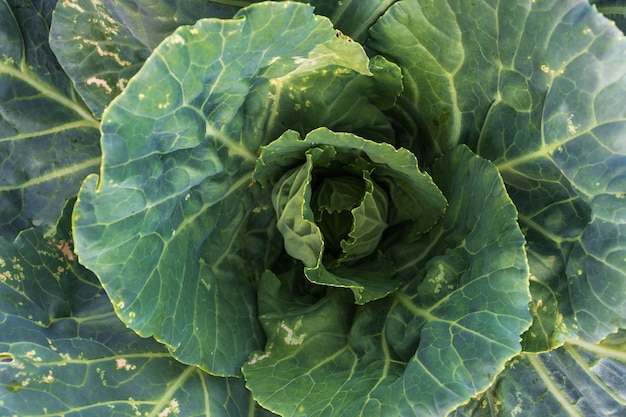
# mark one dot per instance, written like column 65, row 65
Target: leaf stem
column 207, row 395
column 612, row 10
column 408, row 303
column 424, row 253
column 559, row 240
column 235, row 147
column 251, row 407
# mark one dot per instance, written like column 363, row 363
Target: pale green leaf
column 415, row 205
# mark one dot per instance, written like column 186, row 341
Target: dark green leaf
column 537, row 87
column 101, row 45
column 423, row 350
column 48, row 139
column 576, row 380
column 174, row 212
column 64, row 351
column 567, row 177
column 614, row 10
column 353, row 17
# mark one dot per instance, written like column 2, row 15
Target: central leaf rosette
column 335, row 196
column 351, row 213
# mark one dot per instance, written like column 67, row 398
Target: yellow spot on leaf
column 100, row 83
column 291, row 338
column 176, row 39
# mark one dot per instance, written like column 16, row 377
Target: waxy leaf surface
column 538, row 88
column 578, row 379
column 63, row 351
column 102, row 44
column 48, row 138
column 174, row 228
column 179, row 232
column 426, row 348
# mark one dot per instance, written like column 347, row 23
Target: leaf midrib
column 51, row 131
column 25, row 75
column 57, row 173
column 172, row 388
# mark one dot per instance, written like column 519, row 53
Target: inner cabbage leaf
column 424, row 349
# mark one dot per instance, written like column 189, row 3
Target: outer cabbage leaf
column 174, row 229
column 424, row 349
column 48, row 139
column 552, row 120
column 64, row 351
column 102, row 44
column 578, row 379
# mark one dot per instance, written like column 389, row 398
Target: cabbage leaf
column 373, row 208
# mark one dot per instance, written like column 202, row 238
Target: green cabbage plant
column 324, row 208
